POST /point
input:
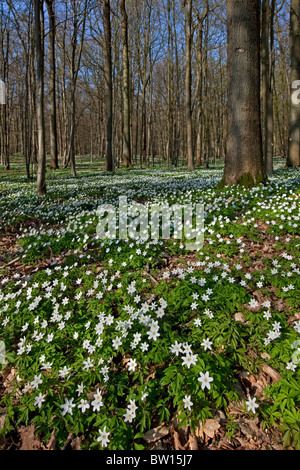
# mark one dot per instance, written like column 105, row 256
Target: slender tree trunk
column 188, row 88
column 244, row 160
column 205, row 125
column 177, row 100
column 170, row 74
column 126, row 90
column 109, row 160
column 73, row 80
column 199, row 92
column 293, row 159
column 145, row 81
column 267, row 83
column 4, row 52
column 52, row 87
column 27, row 119
column 199, row 87
column 41, row 170
column 33, row 105
column 72, row 135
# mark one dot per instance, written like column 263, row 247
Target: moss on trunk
column 246, row 181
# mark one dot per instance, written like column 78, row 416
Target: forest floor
column 142, row 343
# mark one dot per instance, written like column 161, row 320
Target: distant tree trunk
column 33, row 97
column 52, row 87
column 244, row 160
column 126, row 91
column 145, row 81
column 293, row 159
column 77, row 40
column 109, row 160
column 63, row 90
column 4, row 52
column 170, row 74
column 199, row 92
column 177, row 100
column 27, row 120
column 41, row 170
column 73, row 126
column 188, row 88
column 205, row 108
column 199, row 87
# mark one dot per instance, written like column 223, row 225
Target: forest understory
column 143, row 344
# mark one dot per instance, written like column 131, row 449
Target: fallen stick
column 11, row 262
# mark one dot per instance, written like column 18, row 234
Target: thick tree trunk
column 293, row 159
column 244, row 160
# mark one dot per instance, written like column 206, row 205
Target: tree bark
column 109, row 160
column 244, row 160
column 4, row 53
column 41, row 170
column 52, row 87
column 188, row 88
column 267, row 82
column 126, row 89
column 293, row 159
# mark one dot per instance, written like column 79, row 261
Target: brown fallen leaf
column 271, row 372
column 245, row 445
column 199, row 432
column 155, row 434
column 248, row 428
column 210, row 427
column 177, row 442
column 225, row 445
column 193, row 443
column 265, row 355
column 76, row 443
column 279, row 305
column 239, row 316
column 52, row 442
column 29, row 441
column 150, row 376
column 70, row 437
column 157, row 446
column 182, row 430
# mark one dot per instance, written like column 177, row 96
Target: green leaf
column 138, row 446
column 286, row 439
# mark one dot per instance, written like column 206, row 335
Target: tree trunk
column 126, row 91
column 244, row 160
column 109, row 160
column 293, row 159
column 41, row 170
column 199, row 87
column 170, row 104
column 4, row 52
column 267, row 83
column 188, row 89
column 52, row 87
